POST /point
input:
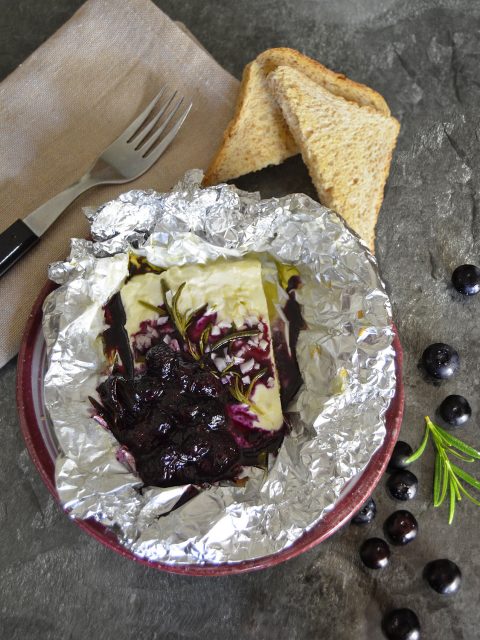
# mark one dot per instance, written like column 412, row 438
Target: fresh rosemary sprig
column 242, row 394
column 447, row 475
column 237, row 390
column 180, row 320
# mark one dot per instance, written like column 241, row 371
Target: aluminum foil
column 345, row 356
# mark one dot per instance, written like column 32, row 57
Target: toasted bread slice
column 257, row 136
column 347, row 147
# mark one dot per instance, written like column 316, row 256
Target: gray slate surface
column 424, row 57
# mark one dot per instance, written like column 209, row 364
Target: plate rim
column 343, row 510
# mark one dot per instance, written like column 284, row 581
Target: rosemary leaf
column 456, row 485
column 451, row 512
column 237, row 392
column 165, row 300
column 205, row 337
column 192, row 348
column 452, row 441
column 468, row 495
column 177, row 294
column 255, row 379
column 233, row 336
column 459, row 455
column 416, row 454
column 227, row 369
column 443, row 493
column 437, row 480
column 152, row 307
column 180, row 321
column 465, row 476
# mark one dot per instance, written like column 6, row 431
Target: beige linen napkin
column 69, row 100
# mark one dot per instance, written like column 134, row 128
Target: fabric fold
column 69, row 100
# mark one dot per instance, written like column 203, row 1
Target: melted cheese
column 234, row 290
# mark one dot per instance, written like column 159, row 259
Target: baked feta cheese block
column 220, row 316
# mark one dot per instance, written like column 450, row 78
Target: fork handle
column 22, row 235
column 14, row 243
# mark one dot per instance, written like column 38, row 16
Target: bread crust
column 294, row 94
column 212, row 173
column 266, row 62
column 284, row 56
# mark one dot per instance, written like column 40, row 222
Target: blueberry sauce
column 148, row 413
column 115, row 337
column 287, row 365
column 173, row 413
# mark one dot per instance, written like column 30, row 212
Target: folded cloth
column 70, row 100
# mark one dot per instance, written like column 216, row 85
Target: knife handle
column 14, row 243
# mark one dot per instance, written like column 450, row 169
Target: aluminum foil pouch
column 345, row 356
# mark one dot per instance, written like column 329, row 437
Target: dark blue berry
column 402, row 485
column 455, row 410
column 443, row 575
column 401, row 624
column 401, row 452
column 375, row 553
column 401, row 527
column 440, row 361
column 162, row 361
column 466, row 279
column 367, row 513
column 206, row 385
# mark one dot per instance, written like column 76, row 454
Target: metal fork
column 128, row 157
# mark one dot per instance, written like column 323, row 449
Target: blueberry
column 455, row 410
column 148, row 388
column 401, row 452
column 205, row 385
column 466, row 279
column 367, row 513
column 209, row 414
column 172, row 420
column 187, row 374
column 401, row 527
column 440, row 360
column 208, row 456
column 107, row 390
column 401, row 624
column 375, row 553
column 128, row 397
column 162, row 361
column 198, row 458
column 443, row 575
column 159, row 421
column 402, row 485
column 147, row 434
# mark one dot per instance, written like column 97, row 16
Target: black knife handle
column 14, row 242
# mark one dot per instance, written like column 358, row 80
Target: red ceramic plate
column 42, row 447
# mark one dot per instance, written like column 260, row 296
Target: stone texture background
column 424, row 56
